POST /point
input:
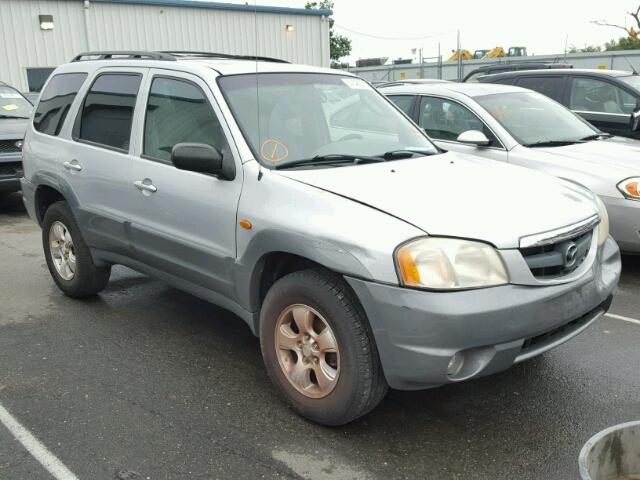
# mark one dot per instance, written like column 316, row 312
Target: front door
column 183, row 223
column 444, row 120
column 603, row 104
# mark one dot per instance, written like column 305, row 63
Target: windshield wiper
column 13, row 116
column 405, row 153
column 552, row 143
column 332, row 158
column 596, row 136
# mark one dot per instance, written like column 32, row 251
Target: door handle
column 145, row 186
column 72, row 165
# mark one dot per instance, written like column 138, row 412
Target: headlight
column 449, row 263
column 603, row 226
column 630, row 188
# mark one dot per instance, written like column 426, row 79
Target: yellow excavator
column 465, row 54
column 496, row 52
column 513, row 52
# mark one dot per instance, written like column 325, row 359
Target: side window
column 55, row 102
column 107, row 112
column 592, row 95
column 552, row 87
column 177, row 112
column 403, row 102
column 446, row 120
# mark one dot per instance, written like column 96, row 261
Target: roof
column 468, row 89
column 237, row 67
column 572, row 71
column 518, row 65
column 241, row 7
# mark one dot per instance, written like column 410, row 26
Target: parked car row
column 517, row 126
column 15, row 111
column 361, row 253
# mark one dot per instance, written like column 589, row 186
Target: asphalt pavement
column 147, row 382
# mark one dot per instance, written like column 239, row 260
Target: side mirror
column 474, row 137
column 197, row 157
column 635, row 121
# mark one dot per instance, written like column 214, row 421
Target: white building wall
column 114, row 26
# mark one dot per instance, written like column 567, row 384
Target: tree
column 623, row 43
column 632, row 34
column 585, row 49
column 339, row 45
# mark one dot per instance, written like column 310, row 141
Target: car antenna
column 632, row 69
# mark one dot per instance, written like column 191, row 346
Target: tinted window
column 55, row 102
column 446, row 120
column 177, row 112
column 592, row 95
column 403, row 102
column 107, row 112
column 550, row 86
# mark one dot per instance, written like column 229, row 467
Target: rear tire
column 68, row 257
column 338, row 345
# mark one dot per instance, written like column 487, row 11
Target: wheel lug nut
column 316, row 359
column 315, row 346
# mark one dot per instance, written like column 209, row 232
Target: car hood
column 602, row 156
column 459, row 195
column 11, row 128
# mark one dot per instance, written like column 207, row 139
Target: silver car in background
column 522, row 127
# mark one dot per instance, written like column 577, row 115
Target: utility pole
column 459, row 59
column 439, row 63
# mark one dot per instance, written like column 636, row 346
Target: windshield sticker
column 355, row 83
column 10, row 95
column 10, row 107
column 273, row 151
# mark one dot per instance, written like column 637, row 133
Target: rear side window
column 552, row 87
column 55, row 102
column 107, row 112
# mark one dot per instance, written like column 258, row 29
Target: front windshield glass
column 13, row 104
column 632, row 80
column 533, row 118
column 288, row 117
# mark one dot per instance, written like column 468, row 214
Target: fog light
column 455, row 364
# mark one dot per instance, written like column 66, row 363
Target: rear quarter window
column 56, row 101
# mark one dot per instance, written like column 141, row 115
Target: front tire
column 318, row 348
column 68, row 256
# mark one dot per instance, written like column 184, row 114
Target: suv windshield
column 533, row 119
column 13, row 104
column 289, row 117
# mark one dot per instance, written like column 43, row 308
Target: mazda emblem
column 570, row 255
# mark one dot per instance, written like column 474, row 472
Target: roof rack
column 123, row 55
column 191, row 54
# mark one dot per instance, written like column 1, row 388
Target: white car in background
column 522, row 127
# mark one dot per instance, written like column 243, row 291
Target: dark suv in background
column 502, row 67
column 15, row 111
column 609, row 99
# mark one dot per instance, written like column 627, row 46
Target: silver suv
column 301, row 199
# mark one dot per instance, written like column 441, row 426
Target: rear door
column 603, row 103
column 95, row 162
column 183, row 223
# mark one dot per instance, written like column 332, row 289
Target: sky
column 543, row 26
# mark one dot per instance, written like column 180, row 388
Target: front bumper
column 10, row 172
column 418, row 332
column 624, row 222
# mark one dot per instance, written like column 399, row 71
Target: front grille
column 559, row 258
column 9, row 146
column 11, row 169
